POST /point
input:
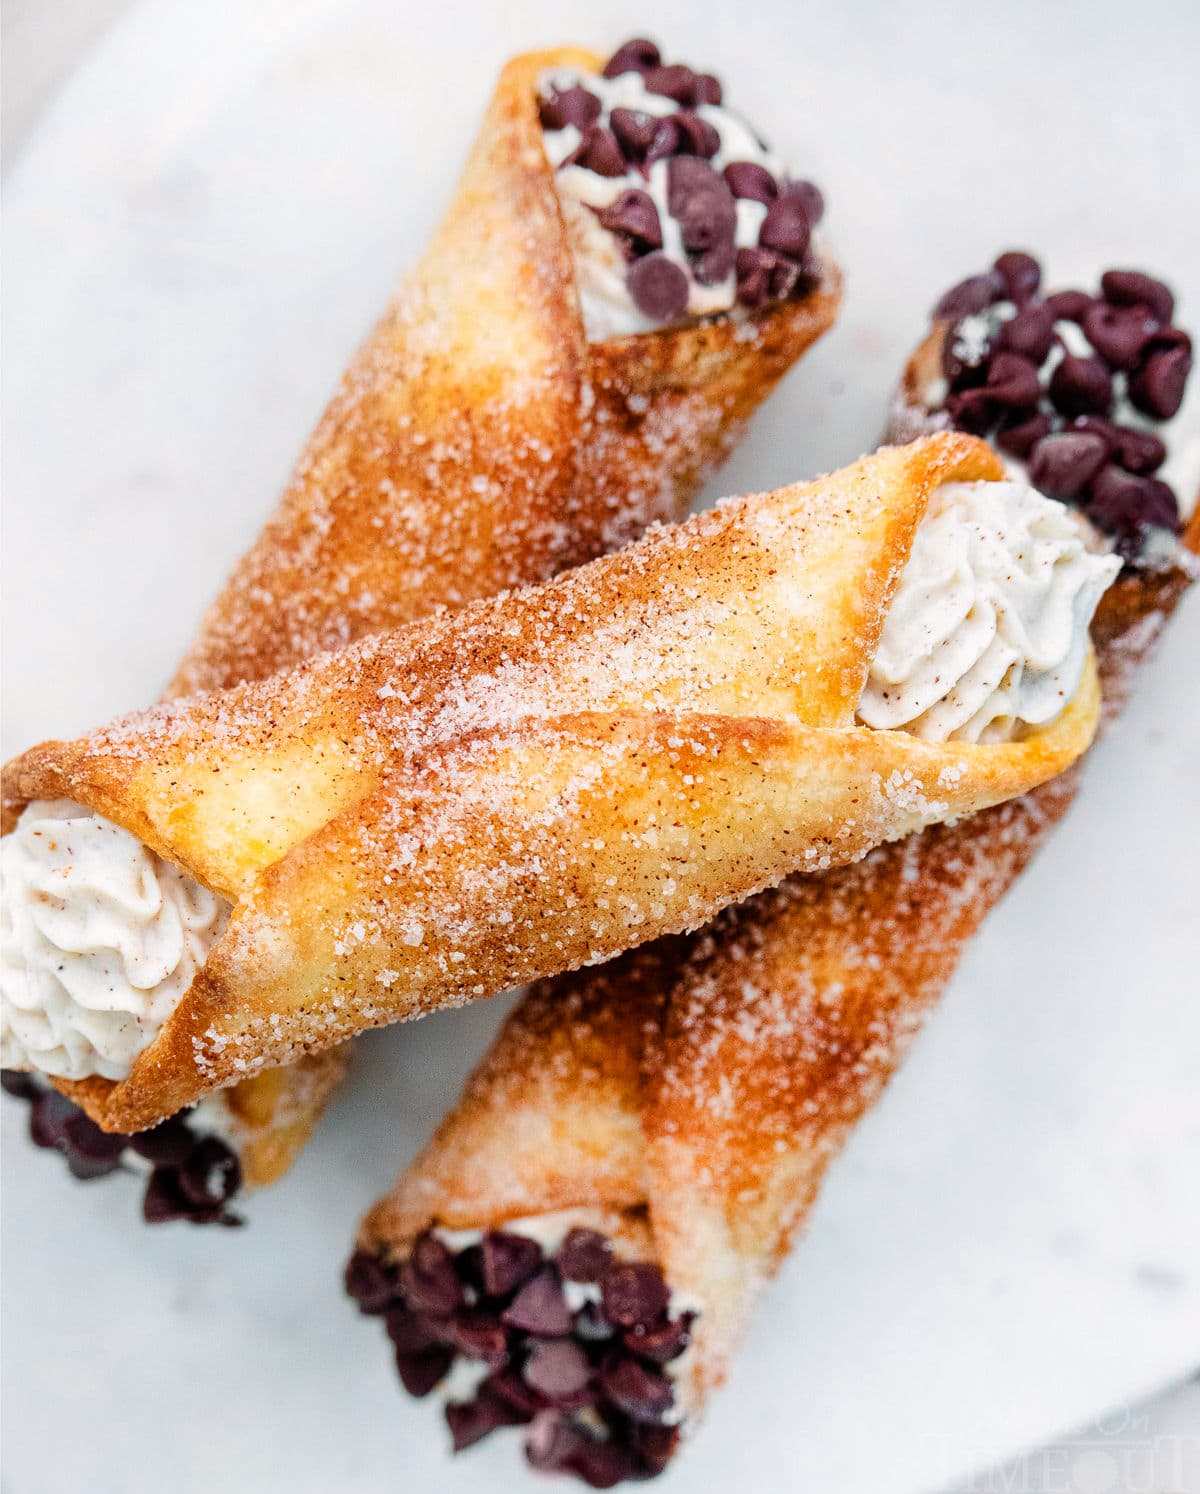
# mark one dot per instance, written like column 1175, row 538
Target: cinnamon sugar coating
column 541, row 780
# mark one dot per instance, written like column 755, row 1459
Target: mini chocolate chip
column 568, row 106
column 754, row 275
column 1070, row 306
column 419, row 1373
column 540, row 1307
column 369, row 1281
column 1012, row 382
column 1021, row 274
column 553, row 1441
column 1125, row 507
column 716, row 264
column 664, row 144
column 602, row 1464
column 1096, row 425
column 961, row 374
column 48, row 1117
column 1018, row 440
column 509, row 1386
column 750, row 180
column 636, row 1389
column 632, row 214
column 166, row 1144
column 210, row 1174
column 634, row 1292
column 1132, row 288
column 655, row 1446
column 428, row 1278
column 1063, row 465
column 660, row 1342
column 409, row 1331
column 585, row 1255
column 559, row 1370
column 970, row 296
column 1168, row 337
column 1118, row 333
column 701, row 203
column 658, row 287
column 1157, row 387
column 635, row 131
column 84, row 1169
column 786, row 227
column 591, row 1326
column 785, row 276
column 1139, row 451
column 478, row 1335
column 1123, row 499
column 1030, row 332
column 164, row 1200
column 468, row 1265
column 809, row 196
column 696, row 136
column 471, row 1421
column 508, row 1260
column 971, row 410
column 601, row 153
column 708, row 89
column 632, row 57
column 687, row 178
column 99, row 1151
column 1081, row 386
column 675, row 82
column 20, row 1085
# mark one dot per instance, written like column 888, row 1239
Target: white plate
column 208, row 219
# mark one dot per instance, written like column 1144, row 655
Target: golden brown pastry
column 633, row 1159
column 549, row 777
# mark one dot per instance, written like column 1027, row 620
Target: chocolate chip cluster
column 588, row 1383
column 700, row 198
column 192, row 1176
column 1064, row 405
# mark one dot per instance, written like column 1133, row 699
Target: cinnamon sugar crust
column 540, row 780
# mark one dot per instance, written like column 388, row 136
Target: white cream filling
column 988, row 631
column 99, row 941
column 600, row 267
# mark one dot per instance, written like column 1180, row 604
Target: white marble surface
column 200, row 227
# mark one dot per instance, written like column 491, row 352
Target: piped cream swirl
column 988, row 631
column 99, row 940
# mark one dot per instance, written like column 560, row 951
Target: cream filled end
column 100, row 938
column 987, row 634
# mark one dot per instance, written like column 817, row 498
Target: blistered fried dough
column 687, row 1099
column 541, row 780
column 478, row 441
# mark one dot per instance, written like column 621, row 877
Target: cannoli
column 489, row 432
column 579, row 1247
column 495, row 375
column 550, row 777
